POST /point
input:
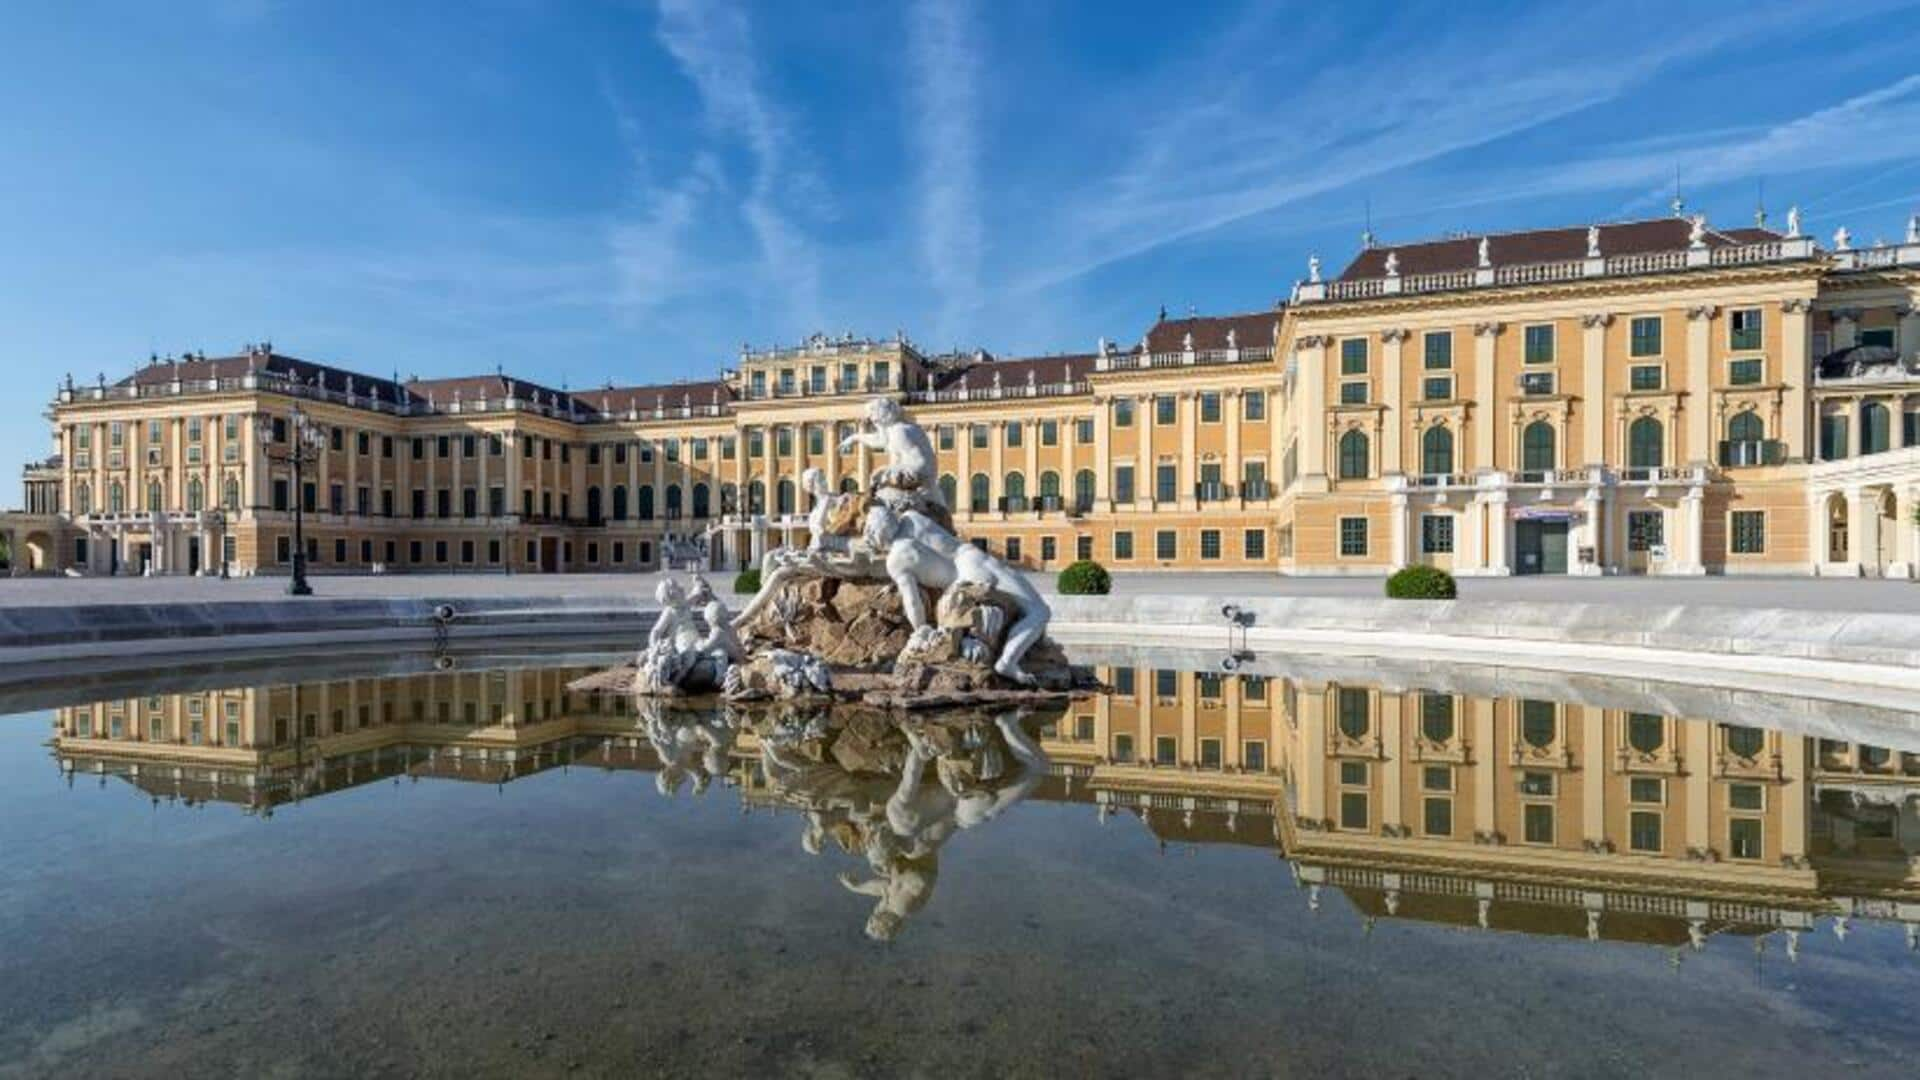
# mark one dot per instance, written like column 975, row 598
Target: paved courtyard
column 1806, row 594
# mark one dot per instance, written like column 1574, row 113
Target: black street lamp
column 304, row 440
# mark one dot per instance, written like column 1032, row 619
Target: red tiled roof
column 617, row 400
column 1042, row 370
column 1252, row 330
column 234, row 367
column 1541, row 246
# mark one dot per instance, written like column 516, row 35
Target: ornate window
column 1536, row 447
column 1436, row 452
column 1876, row 428
column 1646, row 443
column 673, row 500
column 1538, row 724
column 1356, row 451
column 1436, row 718
column 1353, row 719
column 196, row 496
column 620, row 502
column 1646, row 733
column 646, row 502
column 783, row 496
column 950, row 491
column 1083, row 490
column 978, row 493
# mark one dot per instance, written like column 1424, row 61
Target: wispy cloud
column 1226, row 149
column 944, row 54
column 713, row 45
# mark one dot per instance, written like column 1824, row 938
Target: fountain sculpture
column 883, row 602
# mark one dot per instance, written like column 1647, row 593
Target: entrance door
column 193, row 555
column 549, row 555
column 145, row 555
column 1540, row 547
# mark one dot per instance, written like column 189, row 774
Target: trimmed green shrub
column 747, row 583
column 1085, row 578
column 1421, row 583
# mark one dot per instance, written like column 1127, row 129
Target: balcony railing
column 1014, row 504
column 1751, row 453
column 1658, row 262
column 1256, row 489
column 1212, row 492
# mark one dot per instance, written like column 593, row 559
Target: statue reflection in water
column 895, row 791
column 692, row 745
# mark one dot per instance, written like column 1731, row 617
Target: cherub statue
column 907, row 480
column 833, row 518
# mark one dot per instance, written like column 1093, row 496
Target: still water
column 365, row 865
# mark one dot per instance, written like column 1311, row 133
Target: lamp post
column 304, row 441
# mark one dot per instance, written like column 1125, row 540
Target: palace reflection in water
column 1507, row 813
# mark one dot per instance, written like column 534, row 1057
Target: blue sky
column 587, row 191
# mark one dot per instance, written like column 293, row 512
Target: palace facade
column 1650, row 397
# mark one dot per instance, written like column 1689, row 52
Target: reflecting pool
column 450, row 864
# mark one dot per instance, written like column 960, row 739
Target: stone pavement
column 1802, row 594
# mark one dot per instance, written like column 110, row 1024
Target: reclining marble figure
column 907, row 537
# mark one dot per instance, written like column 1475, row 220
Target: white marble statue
column 908, row 476
column 678, row 658
column 1793, row 222
column 1486, row 253
column 921, row 553
column 1593, row 241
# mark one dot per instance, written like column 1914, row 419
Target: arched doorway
column 37, row 557
column 1837, row 528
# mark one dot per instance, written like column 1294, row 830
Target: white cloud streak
column 713, row 45
column 1227, row 147
column 943, row 88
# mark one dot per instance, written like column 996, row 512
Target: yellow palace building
column 1650, row 397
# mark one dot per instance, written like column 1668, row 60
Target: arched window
column 116, row 498
column 1436, row 718
column 1536, row 447
column 1355, row 451
column 156, row 496
column 1745, row 742
column 1876, row 428
column 1646, row 733
column 196, row 495
column 1354, row 720
column 1083, row 490
column 1537, row 724
column 593, row 506
column 230, row 496
column 729, row 498
column 1746, row 427
column 1050, row 485
column 702, row 501
column 1016, row 488
column 646, row 502
column 977, row 493
column 619, row 502
column 673, row 500
column 950, row 490
column 1646, row 444
column 1436, row 452
column 848, row 485
column 756, row 497
column 83, row 498
column 783, row 497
